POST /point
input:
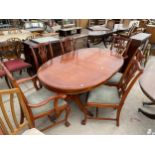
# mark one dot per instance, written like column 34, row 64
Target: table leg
column 152, row 116
column 77, row 100
column 148, row 103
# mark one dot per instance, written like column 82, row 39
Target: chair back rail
column 131, row 74
column 13, row 126
column 42, row 53
column 120, row 44
column 67, row 45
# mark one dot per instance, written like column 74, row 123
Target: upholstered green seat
column 41, row 95
column 104, row 95
column 115, row 79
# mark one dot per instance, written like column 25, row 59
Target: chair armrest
column 23, row 80
column 59, row 96
column 33, row 79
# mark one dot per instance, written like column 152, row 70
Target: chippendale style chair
column 42, row 102
column 120, row 45
column 112, row 96
column 115, row 79
column 67, row 45
column 41, row 53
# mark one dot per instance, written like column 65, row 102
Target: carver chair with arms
column 41, row 102
column 111, row 96
column 9, row 120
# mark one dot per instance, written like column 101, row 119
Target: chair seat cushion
column 104, row 95
column 16, row 64
column 41, row 95
column 115, row 79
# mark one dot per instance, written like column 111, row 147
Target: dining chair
column 128, row 33
column 41, row 53
column 67, row 45
column 115, row 79
column 15, row 44
column 42, row 102
column 120, row 45
column 11, row 56
column 10, row 116
column 111, row 96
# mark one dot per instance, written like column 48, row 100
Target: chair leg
column 68, row 110
column 8, row 84
column 20, row 72
column 117, row 118
column 97, row 112
column 84, row 121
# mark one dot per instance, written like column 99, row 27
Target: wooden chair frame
column 121, row 44
column 56, row 110
column 127, row 81
column 67, row 45
column 18, row 126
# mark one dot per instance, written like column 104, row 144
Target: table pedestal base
column 146, row 113
column 78, row 102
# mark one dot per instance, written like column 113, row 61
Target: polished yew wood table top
column 79, row 71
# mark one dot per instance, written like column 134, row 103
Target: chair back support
column 120, row 44
column 7, row 51
column 132, row 29
column 35, row 35
column 67, row 45
column 110, row 24
column 129, row 77
column 126, row 22
column 42, row 53
column 15, row 47
column 10, row 123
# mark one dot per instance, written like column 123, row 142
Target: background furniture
column 11, row 55
column 22, row 35
column 136, row 41
column 67, row 45
column 147, row 85
column 34, row 26
column 120, row 45
column 74, row 73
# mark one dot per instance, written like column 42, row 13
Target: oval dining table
column 79, row 71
